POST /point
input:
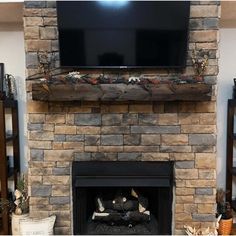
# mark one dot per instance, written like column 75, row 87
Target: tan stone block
column 36, row 118
column 70, row 119
column 56, row 180
column 213, row 45
column 49, row 12
column 31, row 32
column 39, row 214
column 110, row 148
column 48, row 32
column 140, row 108
column 35, row 180
column 179, row 208
column 55, row 118
column 205, row 160
column 40, row 144
column 182, row 156
column 149, row 139
column 40, row 207
column 48, row 127
column 198, row 129
column 32, row 12
column 168, row 119
column 51, row 21
column 207, row 174
column 204, row 208
column 184, row 191
column 79, row 109
column 203, row 36
column 184, row 199
column 65, row 129
column 59, row 207
column 141, row 148
column 41, row 136
column 78, row 146
column 206, row 106
column 174, row 139
column 58, row 155
column 200, row 183
column 36, row 171
column 186, row 174
column 189, row 118
column 118, row 108
column 155, row 156
column 57, row 145
column 212, row 70
column 92, row 148
column 208, row 119
column 190, row 208
column 33, row 21
column 183, row 216
column 197, row 11
column 179, row 183
column 38, row 45
column 60, row 190
column 42, row 164
column 88, row 130
column 39, row 200
column 205, row 199
column 37, row 107
column 63, row 163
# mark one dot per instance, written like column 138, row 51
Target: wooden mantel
column 121, row 92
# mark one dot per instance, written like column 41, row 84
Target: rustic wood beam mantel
column 122, row 92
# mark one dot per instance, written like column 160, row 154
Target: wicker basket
column 225, row 226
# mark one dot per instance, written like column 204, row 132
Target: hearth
column 122, row 197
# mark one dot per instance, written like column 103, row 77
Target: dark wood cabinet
column 9, row 164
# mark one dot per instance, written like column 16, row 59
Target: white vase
column 15, row 223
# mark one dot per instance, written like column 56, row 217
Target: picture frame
column 1, row 76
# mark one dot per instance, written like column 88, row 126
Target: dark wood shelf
column 122, row 92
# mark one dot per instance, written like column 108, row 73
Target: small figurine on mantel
column 200, row 63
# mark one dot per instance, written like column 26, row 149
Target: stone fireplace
column 183, row 133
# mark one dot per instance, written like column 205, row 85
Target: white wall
column 12, row 54
column 227, row 71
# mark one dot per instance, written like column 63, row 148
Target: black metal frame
column 1, row 76
column 91, row 174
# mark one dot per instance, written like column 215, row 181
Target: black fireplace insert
column 112, row 198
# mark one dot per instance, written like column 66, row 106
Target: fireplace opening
column 122, row 198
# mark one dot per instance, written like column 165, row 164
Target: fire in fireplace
column 122, row 197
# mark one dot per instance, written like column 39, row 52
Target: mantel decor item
column 10, row 86
column 2, row 93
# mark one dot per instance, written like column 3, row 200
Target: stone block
column 33, row 21
column 204, row 107
column 178, row 148
column 57, row 145
column 32, row 12
column 84, row 156
column 201, row 129
column 182, row 156
column 37, row 45
column 205, row 160
column 184, row 164
column 168, row 119
column 31, row 60
column 208, row 119
column 50, row 21
column 200, row 183
column 34, row 127
column 35, row 4
column 41, row 190
column 174, row 139
column 148, row 119
column 184, row 199
column 203, row 217
column 110, row 149
column 206, row 208
column 49, row 12
column 155, row 156
column 207, row 11
column 41, row 135
column 59, row 137
column 201, row 149
column 202, row 139
column 189, row 118
column 77, row 146
column 207, row 174
column 184, row 191
column 155, row 129
column 141, row 148
column 56, row 180
column 129, row 156
column 132, row 139
column 55, row 118
column 59, row 200
column 115, row 130
column 183, row 216
column 88, row 130
column 88, row 119
column 48, row 127
column 31, row 32
column 58, row 155
column 37, row 107
column 179, row 208
column 51, row 4
column 104, row 156
column 158, row 107
column 39, row 200
column 40, row 144
column 91, row 140
column 114, row 140
column 204, row 191
column 61, row 171
column 203, row 36
column 65, row 129
column 186, row 174
column 36, row 154
column 130, row 119
column 150, row 139
column 190, row 208
column 112, row 119
column 48, row 32
column 140, row 108
column 75, row 138
column 91, row 148
column 35, row 180
column 70, row 119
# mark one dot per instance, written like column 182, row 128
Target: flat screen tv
column 123, row 34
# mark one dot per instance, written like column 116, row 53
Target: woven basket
column 225, row 226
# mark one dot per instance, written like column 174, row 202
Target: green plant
column 223, row 207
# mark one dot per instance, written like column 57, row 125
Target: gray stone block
column 36, row 154
column 61, row 171
column 91, row 140
column 111, row 119
column 35, row 4
column 114, row 140
column 115, row 130
column 132, row 139
column 59, row 200
column 31, row 60
column 184, row 164
column 34, row 127
column 85, row 156
column 203, row 217
column 88, row 119
column 51, row 4
column 129, row 156
column 41, row 191
column 203, row 148
column 148, row 119
column 211, row 23
column 210, row 79
column 165, row 129
column 204, row 191
column 130, row 119
column 74, row 138
column 59, row 137
column 98, row 156
column 202, row 139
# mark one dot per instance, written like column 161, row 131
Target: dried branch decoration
column 200, row 62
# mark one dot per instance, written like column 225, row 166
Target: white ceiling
column 11, row 13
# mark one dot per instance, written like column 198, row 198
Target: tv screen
column 123, row 33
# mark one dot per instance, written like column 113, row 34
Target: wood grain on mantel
column 121, row 92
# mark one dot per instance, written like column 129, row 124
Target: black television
column 123, row 34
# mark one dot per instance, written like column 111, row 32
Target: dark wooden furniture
column 8, row 172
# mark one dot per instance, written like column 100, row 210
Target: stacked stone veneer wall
column 185, row 132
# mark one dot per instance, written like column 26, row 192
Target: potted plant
column 224, row 210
